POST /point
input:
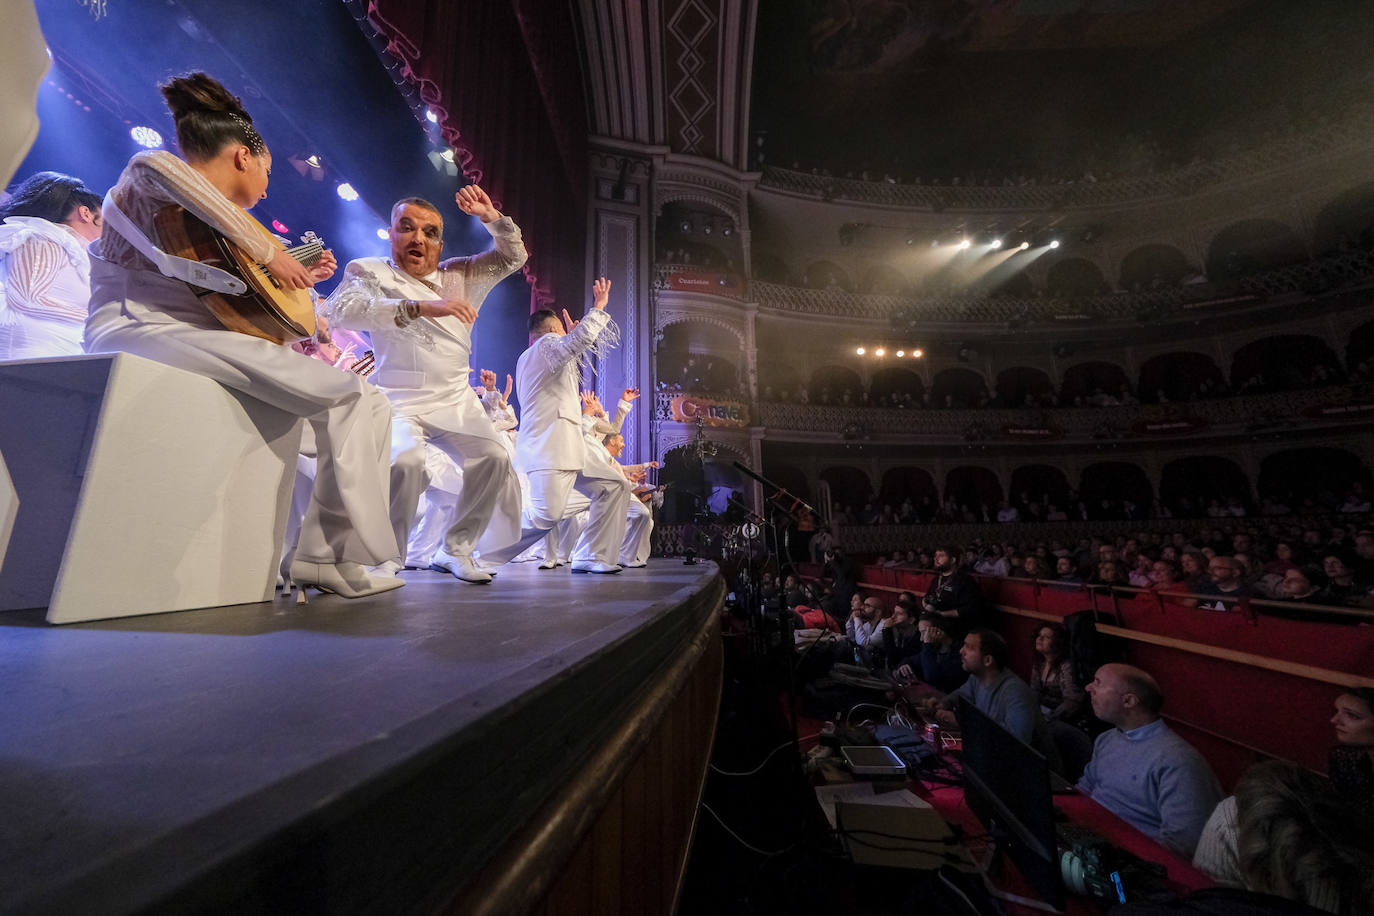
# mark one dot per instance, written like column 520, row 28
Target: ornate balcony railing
column 1140, row 422
column 690, row 278
column 1350, row 132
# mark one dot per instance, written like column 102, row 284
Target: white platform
column 142, row 488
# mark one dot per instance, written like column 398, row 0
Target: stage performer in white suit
column 422, row 360
column 137, row 309
column 45, row 275
column 634, row 549
column 550, row 447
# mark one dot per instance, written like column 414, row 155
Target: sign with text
column 712, row 412
column 705, row 281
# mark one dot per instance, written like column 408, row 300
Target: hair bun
column 200, row 92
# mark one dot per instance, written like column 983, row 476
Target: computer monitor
column 1007, row 785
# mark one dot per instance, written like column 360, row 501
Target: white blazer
column 546, row 381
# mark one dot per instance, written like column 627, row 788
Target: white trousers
column 635, row 548
column 439, row 505
column 347, row 518
column 554, row 495
column 487, row 515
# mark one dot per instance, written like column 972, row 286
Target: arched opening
column 1035, row 488
column 684, row 474
column 835, row 385
column 1115, row 490
column 790, row 477
column 1023, row 386
column 1251, row 246
column 1315, row 478
column 693, row 234
column 1011, row 284
column 826, row 275
column 910, row 483
column 1154, row 267
column 1093, row 383
column 690, row 358
column 884, row 280
column 974, row 490
column 778, row 381
column 1359, row 352
column 1173, row 377
column 849, row 486
column 771, row 269
column 1347, row 222
column 956, row 387
column 1075, row 277
column 1190, row 486
column 1284, row 362
column 896, row 388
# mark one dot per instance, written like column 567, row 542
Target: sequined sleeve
column 360, row 303
column 595, row 331
column 480, row 272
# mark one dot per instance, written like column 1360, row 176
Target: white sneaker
column 387, row 570
column 594, row 566
column 548, row 564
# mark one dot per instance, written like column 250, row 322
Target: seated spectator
column 997, row 692
column 1065, row 571
column 993, row 562
column 1031, row 567
column 896, row 560
column 1351, row 762
column 861, row 626
column 1226, row 583
column 954, row 593
column 1301, row 583
column 1165, row 577
column 1108, row 574
column 938, row 663
column 1194, row 567
column 1341, row 585
column 1288, row 832
column 1140, row 769
column 1140, row 574
column 898, row 635
column 1059, row 695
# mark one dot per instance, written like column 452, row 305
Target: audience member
column 1351, row 762
column 862, row 626
column 1226, row 583
column 997, row 692
column 938, row 663
column 1289, row 833
column 1140, row 769
column 954, row 593
column 1060, row 696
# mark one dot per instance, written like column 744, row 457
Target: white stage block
column 142, row 488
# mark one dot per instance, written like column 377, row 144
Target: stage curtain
column 503, row 76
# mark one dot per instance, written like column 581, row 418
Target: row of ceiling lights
column 880, row 352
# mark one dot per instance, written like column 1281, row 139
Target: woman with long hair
column 136, row 309
column 1052, row 678
column 44, row 270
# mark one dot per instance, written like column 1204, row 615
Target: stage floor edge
column 341, row 756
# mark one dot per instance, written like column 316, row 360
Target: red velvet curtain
column 503, row 77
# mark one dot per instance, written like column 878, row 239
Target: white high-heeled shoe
column 349, row 580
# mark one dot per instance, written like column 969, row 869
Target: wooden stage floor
column 154, row 762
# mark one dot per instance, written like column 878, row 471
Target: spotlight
column 880, row 352
column 1024, row 246
column 996, row 243
column 901, row 353
column 1054, row 244
column 935, row 243
column 685, row 226
column 313, row 161
column 860, row 351
column 346, row 192
column 965, row 244
column 146, row 137
column 383, row 234
column 431, row 117
column 917, row 354
column 447, row 155
column 727, row 231
column 280, row 226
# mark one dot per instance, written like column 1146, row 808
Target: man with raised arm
column 551, row 449
column 420, row 314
